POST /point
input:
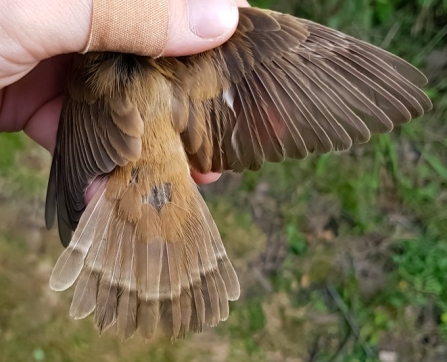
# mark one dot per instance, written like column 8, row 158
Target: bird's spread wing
column 286, row 87
column 97, row 132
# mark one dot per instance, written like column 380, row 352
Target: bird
column 145, row 252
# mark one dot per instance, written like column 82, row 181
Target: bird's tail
column 143, row 259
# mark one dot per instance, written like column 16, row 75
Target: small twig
column 263, row 281
column 391, row 34
column 436, row 39
column 350, row 319
column 313, row 353
column 341, row 347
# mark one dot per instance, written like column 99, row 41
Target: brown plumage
column 145, row 251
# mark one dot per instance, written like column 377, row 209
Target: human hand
column 36, row 40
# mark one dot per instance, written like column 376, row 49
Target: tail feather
column 86, row 292
column 126, row 322
column 135, row 271
column 106, row 305
column 70, row 263
column 207, row 265
column 198, row 308
column 148, row 273
column 149, row 256
column 186, row 299
column 107, row 297
column 170, row 289
column 147, row 317
column 94, row 259
column 224, row 309
column 193, row 270
column 84, row 298
column 230, row 279
column 225, row 268
column 128, row 297
column 211, row 297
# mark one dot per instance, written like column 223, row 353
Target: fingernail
column 211, row 18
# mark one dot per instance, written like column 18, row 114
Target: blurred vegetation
column 341, row 257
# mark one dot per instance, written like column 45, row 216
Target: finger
column 22, row 102
column 207, row 178
column 42, row 126
column 161, row 27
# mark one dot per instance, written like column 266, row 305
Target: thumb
column 199, row 25
column 161, row 27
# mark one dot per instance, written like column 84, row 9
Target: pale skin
column 36, row 45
